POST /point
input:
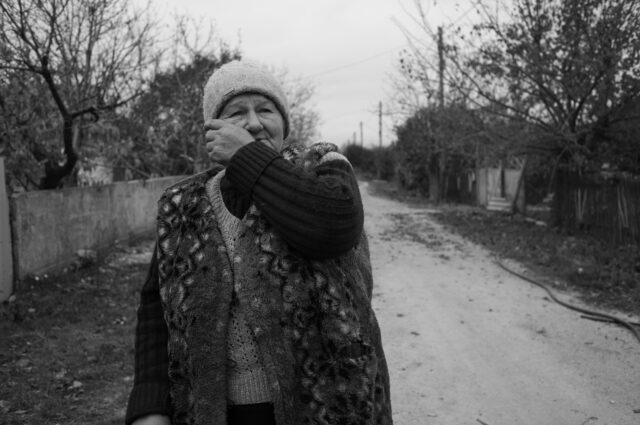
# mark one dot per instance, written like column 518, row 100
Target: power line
column 328, row 71
column 346, row 114
column 459, row 18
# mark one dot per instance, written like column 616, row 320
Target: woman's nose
column 253, row 123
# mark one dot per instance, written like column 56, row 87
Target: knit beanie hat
column 240, row 77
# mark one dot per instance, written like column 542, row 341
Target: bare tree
column 91, row 55
column 433, row 97
column 569, row 67
column 556, row 79
column 164, row 125
column 303, row 117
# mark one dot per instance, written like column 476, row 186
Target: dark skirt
column 251, row 414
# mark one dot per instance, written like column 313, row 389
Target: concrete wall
column 488, row 185
column 481, row 186
column 6, row 264
column 511, row 187
column 49, row 227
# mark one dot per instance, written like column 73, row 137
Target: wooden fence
column 607, row 207
column 460, row 188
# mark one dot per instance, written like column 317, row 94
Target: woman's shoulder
column 313, row 154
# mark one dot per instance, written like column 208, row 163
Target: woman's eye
column 231, row 114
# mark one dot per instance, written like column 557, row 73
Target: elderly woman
column 257, row 306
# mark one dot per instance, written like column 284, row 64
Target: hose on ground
column 604, row 316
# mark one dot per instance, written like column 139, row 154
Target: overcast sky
column 348, row 49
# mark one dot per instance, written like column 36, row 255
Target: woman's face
column 259, row 116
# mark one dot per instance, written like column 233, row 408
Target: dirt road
column 468, row 343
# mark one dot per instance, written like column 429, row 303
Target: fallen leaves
column 68, row 344
column 605, row 276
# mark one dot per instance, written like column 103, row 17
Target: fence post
column 6, row 264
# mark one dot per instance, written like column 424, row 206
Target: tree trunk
column 54, row 173
column 434, row 180
column 560, row 185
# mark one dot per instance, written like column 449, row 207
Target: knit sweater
column 319, row 214
column 247, row 382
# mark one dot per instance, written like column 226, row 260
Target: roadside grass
column 67, row 343
column 603, row 277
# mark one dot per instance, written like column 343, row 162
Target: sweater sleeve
column 318, row 212
column 150, row 393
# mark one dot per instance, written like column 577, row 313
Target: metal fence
column 606, row 206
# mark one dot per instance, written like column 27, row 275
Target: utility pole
column 361, row 139
column 441, row 66
column 355, row 141
column 380, row 124
column 437, row 158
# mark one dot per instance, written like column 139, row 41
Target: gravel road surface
column 468, row 343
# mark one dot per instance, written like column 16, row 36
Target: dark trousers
column 251, row 414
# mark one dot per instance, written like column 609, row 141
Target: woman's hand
column 223, row 139
column 153, row 419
